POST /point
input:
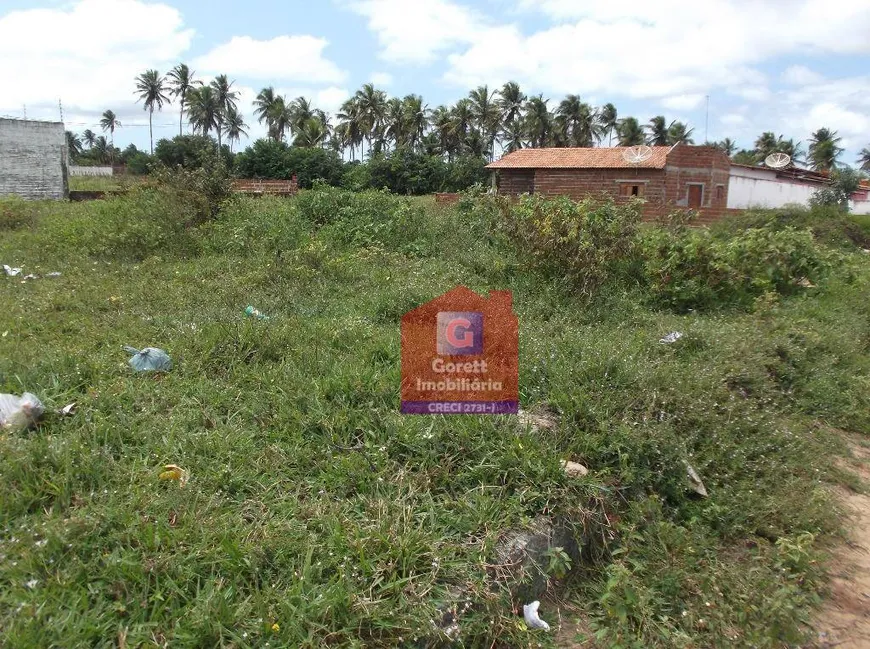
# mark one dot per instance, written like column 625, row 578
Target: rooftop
column 579, row 158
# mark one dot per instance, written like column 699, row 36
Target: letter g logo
column 460, row 333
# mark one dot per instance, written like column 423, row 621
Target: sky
column 789, row 66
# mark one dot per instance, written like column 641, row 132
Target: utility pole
column 707, row 121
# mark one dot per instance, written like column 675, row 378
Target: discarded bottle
column 251, row 312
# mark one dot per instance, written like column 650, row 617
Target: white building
column 765, row 187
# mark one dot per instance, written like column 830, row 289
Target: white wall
column 761, row 188
column 33, row 159
column 89, row 171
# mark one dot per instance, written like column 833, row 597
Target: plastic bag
column 150, row 359
column 20, row 413
column 533, row 621
column 672, row 337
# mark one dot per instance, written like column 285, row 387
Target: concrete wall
column 761, row 188
column 33, row 159
column 90, row 171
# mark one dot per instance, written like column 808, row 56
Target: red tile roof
column 578, row 158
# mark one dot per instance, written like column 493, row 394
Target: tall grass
column 315, row 507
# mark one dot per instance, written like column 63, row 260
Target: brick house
column 683, row 176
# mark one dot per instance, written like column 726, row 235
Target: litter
column 695, row 481
column 251, row 312
column 68, row 410
column 20, row 413
column 533, row 621
column 174, row 472
column 31, row 276
column 11, row 272
column 149, row 359
column 672, row 337
column 574, row 469
column 53, row 274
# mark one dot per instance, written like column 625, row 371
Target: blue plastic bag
column 150, row 359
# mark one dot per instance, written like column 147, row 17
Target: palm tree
column 234, row 126
column 629, row 132
column 103, row 150
column 745, row 157
column 678, row 133
column 824, row 150
column 578, row 121
column 514, row 137
column 109, row 122
column 487, row 115
column 539, row 121
column 89, row 138
column 350, row 128
column 226, row 99
column 727, row 146
column 180, row 81
column 864, row 158
column 395, row 126
column 416, row 118
column 372, row 105
column 766, row 144
column 203, row 109
column 264, row 108
column 73, row 144
column 658, row 131
column 311, row 133
column 608, row 118
column 510, row 101
column 792, row 149
column 152, row 91
column 301, row 111
column 442, row 123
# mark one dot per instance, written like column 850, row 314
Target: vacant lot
column 316, row 515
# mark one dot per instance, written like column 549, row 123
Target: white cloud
column 733, row 119
column 658, row 50
column 382, row 78
column 416, row 31
column 799, row 75
column 86, row 56
column 284, row 58
column 683, row 102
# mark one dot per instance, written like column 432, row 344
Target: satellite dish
column 777, row 160
column 637, row 154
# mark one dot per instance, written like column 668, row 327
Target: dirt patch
column 844, row 621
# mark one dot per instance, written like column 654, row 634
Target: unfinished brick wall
column 579, row 183
column 664, row 190
column 513, row 182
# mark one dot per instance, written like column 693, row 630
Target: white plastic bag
column 20, row 413
column 533, row 621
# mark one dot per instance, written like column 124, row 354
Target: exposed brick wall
column 249, row 186
column 516, row 181
column 579, row 183
column 665, row 190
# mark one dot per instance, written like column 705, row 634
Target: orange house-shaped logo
column 460, row 355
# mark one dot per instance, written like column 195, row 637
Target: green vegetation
column 316, row 515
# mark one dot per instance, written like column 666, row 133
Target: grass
column 104, row 183
column 316, row 515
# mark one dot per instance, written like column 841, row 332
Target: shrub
column 276, row 160
column 844, row 182
column 357, row 177
column 693, row 268
column 586, row 242
column 190, row 151
column 405, row 171
column 202, row 189
column 363, row 218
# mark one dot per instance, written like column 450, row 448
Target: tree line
column 486, row 121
